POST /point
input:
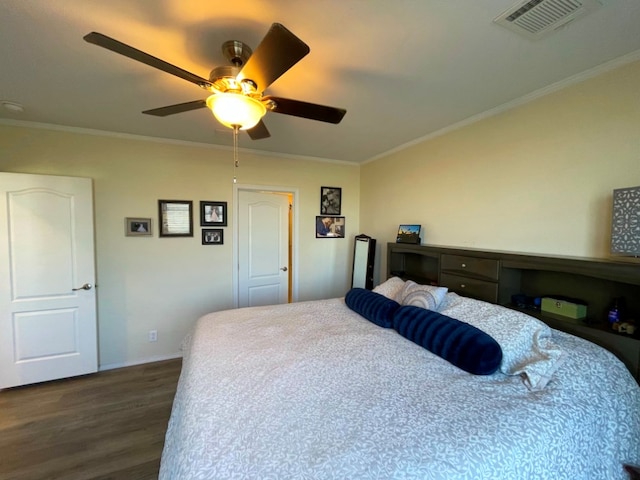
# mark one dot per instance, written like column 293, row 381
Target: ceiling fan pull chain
column 235, row 151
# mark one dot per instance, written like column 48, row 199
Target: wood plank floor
column 109, row 425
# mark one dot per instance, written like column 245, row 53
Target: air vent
column 536, row 18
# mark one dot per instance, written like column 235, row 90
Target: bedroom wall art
column 212, row 236
column 175, row 218
column 330, row 201
column 330, row 227
column 213, row 214
column 137, row 227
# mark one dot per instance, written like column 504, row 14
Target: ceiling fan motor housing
column 236, row 52
column 224, row 71
column 223, row 80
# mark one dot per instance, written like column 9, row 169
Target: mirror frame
column 363, row 241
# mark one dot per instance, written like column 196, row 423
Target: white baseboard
column 159, row 358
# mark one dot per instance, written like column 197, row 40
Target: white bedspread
column 313, row 390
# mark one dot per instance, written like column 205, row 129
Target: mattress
column 313, row 390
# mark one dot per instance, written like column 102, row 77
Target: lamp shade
column 233, row 109
column 625, row 225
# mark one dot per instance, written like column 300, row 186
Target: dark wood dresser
column 496, row 276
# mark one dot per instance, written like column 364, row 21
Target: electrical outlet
column 153, row 335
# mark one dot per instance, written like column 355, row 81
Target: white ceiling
column 402, row 69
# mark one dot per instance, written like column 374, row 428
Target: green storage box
column 563, row 308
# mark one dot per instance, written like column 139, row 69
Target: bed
column 326, row 390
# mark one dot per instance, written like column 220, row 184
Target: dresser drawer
column 470, row 287
column 484, row 268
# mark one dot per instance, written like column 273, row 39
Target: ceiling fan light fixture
column 236, row 109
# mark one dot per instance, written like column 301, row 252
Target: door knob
column 86, row 286
column 284, row 269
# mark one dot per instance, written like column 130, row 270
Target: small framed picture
column 212, row 236
column 213, row 214
column 329, row 227
column 408, row 234
column 330, row 201
column 137, row 227
column 175, row 218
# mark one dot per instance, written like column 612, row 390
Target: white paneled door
column 263, row 246
column 47, row 276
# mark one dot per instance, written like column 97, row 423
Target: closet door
column 47, row 276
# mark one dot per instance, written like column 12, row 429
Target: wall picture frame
column 213, row 213
column 212, row 236
column 137, row 227
column 175, row 218
column 330, row 200
column 330, row 227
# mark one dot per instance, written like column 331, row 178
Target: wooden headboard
column 496, row 276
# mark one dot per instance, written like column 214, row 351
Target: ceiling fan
column 237, row 99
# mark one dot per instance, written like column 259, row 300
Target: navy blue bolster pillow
column 372, row 306
column 461, row 344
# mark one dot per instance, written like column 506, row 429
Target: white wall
column 149, row 283
column 537, row 178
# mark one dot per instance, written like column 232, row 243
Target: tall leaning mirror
column 364, row 252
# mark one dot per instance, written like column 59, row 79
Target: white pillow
column 391, row 288
column 527, row 348
column 423, row 296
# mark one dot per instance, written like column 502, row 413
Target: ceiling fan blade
column 278, row 52
column 178, row 108
column 135, row 54
column 259, row 131
column 311, row 111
